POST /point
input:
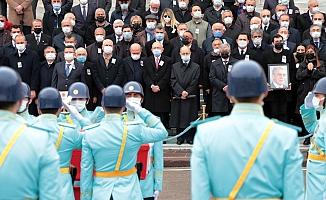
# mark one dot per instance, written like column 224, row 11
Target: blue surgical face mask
column 127, row 35
column 157, row 52
column 124, row 6
column 56, row 6
column 218, row 34
column 81, row 59
column 159, row 36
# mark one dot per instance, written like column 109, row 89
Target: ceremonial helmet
column 78, row 90
column 26, row 90
column 246, row 79
column 113, row 97
column 10, row 85
column 49, row 98
column 133, row 86
column 320, row 87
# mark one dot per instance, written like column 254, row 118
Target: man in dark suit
column 4, row 34
column 65, row 4
column 295, row 35
column 318, row 19
column 108, row 69
column 38, row 40
column 95, row 49
column 138, row 5
column 117, row 35
column 104, row 4
column 84, row 14
column 154, row 9
column 278, row 100
column 26, row 63
column 159, row 37
column 52, row 18
column 123, row 12
column 9, row 47
column 213, row 14
column 133, row 65
column 257, row 44
column 81, row 56
column 232, row 30
column 218, row 30
column 255, row 22
column 317, row 41
column 218, row 79
column 284, row 32
column 290, row 10
column 100, row 21
column 242, row 51
column 47, row 67
column 68, row 72
column 267, row 24
column 75, row 30
column 243, row 20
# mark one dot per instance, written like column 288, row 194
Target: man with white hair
column 124, row 12
column 154, row 9
column 75, row 30
column 318, row 19
column 117, row 34
column 255, row 22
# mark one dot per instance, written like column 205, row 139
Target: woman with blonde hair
column 169, row 23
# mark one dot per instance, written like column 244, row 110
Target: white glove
column 67, row 100
column 73, row 111
column 156, row 193
column 308, row 100
column 133, row 107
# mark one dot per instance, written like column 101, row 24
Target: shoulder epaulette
column 38, row 128
column 91, row 126
column 196, row 123
column 297, row 128
column 131, row 122
column 67, row 125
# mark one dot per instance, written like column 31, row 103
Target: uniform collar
column 47, row 117
column 7, row 115
column 112, row 117
column 247, row 108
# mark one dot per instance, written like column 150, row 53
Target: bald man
column 184, row 81
column 267, row 24
column 133, row 65
column 75, row 30
column 156, row 75
column 107, row 70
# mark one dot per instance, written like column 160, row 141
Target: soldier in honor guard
column 80, row 96
column 65, row 136
column 111, row 148
column 22, row 113
column 152, row 185
column 246, row 168
column 29, row 162
column 316, row 175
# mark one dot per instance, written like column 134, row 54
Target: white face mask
column 2, row 24
column 134, row 100
column 285, row 24
column 69, row 56
column 318, row 22
column 108, row 49
column 83, row 2
column 197, row 14
column 79, row 104
column 242, row 44
column 285, row 37
column 253, row 26
column 257, row 41
column 151, row 25
column 217, row 2
column 185, row 58
column 23, row 107
column 118, row 30
column 315, row 103
column 69, row 44
column 135, row 56
column 181, row 33
column 167, row 19
column 99, row 38
column 266, row 20
column 315, row 10
column 315, row 34
column 20, row 47
column 250, row 8
column 217, row 51
column 241, row 1
column 182, row 5
column 50, row 56
column 228, row 20
column 66, row 30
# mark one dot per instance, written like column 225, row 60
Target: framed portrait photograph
column 278, row 76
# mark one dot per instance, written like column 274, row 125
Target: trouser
column 297, row 121
column 164, row 116
column 279, row 109
column 189, row 135
column 34, row 4
column 3, row 8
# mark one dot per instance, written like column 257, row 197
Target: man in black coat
column 317, row 41
column 138, row 5
column 156, row 75
column 159, row 37
column 278, row 99
column 213, row 14
column 242, row 52
column 267, row 24
column 218, row 79
column 75, row 30
column 232, row 30
column 9, row 47
column 182, row 12
column 123, row 13
column 38, row 40
column 68, row 72
column 107, row 70
column 47, row 67
column 52, row 19
column 154, row 9
column 65, row 5
column 95, row 49
column 184, row 80
column 257, row 44
column 177, row 41
column 318, row 19
column 84, row 14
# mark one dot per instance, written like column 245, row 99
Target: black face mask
column 37, row 30
column 300, row 56
column 279, row 46
column 310, row 56
column 100, row 19
column 185, row 41
column 136, row 26
column 224, row 54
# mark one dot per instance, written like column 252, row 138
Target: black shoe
column 179, row 142
column 190, row 142
column 164, row 142
column 306, row 141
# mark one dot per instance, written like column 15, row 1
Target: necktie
column 118, row 39
column 67, row 69
column 156, row 63
column 317, row 44
column 106, row 62
column 84, row 13
column 265, row 28
column 225, row 64
column 57, row 14
column 242, row 52
column 37, row 37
